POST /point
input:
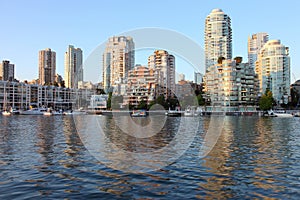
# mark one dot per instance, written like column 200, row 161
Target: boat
column 297, row 114
column 51, row 112
column 174, row 113
column 14, row 111
column 279, row 113
column 6, row 113
column 33, row 111
column 75, row 112
column 139, row 113
column 190, row 112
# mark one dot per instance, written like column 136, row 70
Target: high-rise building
column 230, row 86
column 118, row 59
column 181, row 77
column 164, row 62
column 255, row 43
column 198, row 77
column 7, row 71
column 47, row 66
column 273, row 69
column 218, row 37
column 73, row 67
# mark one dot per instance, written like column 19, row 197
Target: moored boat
column 33, row 111
column 138, row 113
column 6, row 113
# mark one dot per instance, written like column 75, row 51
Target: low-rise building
column 142, row 85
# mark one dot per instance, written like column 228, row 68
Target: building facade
column 218, row 37
column 22, row 96
column 231, row 86
column 162, row 61
column 73, row 67
column 255, row 44
column 143, row 84
column 273, row 70
column 47, row 66
column 7, row 71
column 118, row 59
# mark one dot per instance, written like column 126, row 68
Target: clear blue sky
column 31, row 25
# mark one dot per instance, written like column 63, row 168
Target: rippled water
column 44, row 157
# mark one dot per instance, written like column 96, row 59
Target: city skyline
column 26, row 24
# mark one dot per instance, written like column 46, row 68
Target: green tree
column 108, row 104
column 266, row 101
column 200, row 100
column 142, row 105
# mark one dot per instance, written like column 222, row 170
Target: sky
column 32, row 25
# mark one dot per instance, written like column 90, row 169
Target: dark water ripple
column 254, row 158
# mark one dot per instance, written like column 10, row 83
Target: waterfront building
column 162, row 61
column 143, row 84
column 118, row 59
column 273, row 70
column 255, row 44
column 73, row 67
column 7, row 71
column 231, row 86
column 218, row 37
column 98, row 102
column 23, row 95
column 295, row 93
column 47, row 66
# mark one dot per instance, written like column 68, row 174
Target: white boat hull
column 6, row 113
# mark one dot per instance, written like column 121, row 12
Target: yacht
column 279, row 113
column 51, row 112
column 34, row 111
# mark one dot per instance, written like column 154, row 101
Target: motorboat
column 14, row 111
column 6, row 113
column 190, row 112
column 75, row 112
column 279, row 113
column 139, row 113
column 50, row 112
column 34, row 111
column 297, row 114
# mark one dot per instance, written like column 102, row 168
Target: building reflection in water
column 249, row 155
column 216, row 163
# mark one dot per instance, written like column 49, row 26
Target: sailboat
column 5, row 112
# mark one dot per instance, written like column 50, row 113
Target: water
column 43, row 157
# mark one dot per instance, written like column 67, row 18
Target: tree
column 142, row 105
column 266, row 101
column 55, row 84
column 200, row 100
column 108, row 104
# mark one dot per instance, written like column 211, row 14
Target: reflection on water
column 44, row 157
